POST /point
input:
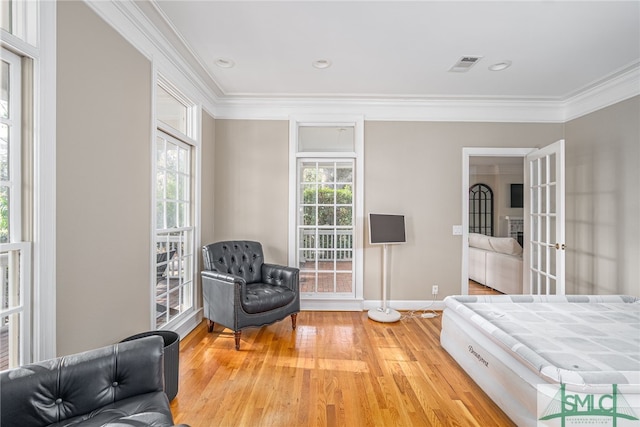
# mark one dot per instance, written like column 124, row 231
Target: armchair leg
column 209, row 326
column 294, row 319
column 236, row 335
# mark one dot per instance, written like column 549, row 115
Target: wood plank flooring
column 335, row 369
column 479, row 289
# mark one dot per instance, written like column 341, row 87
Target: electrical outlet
column 434, row 289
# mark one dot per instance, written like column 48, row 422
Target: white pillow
column 480, row 241
column 506, row 245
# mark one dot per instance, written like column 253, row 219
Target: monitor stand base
column 387, row 316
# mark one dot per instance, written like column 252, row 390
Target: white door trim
column 477, row 152
column 352, row 302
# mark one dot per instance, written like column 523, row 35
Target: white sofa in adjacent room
column 496, row 262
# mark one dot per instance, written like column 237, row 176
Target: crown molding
column 176, row 61
column 138, row 28
column 615, row 89
column 393, row 110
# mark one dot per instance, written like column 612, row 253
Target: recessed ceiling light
column 224, row 63
column 499, row 66
column 321, row 64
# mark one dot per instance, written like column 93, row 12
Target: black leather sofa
column 119, row 385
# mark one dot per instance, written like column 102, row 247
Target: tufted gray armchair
column 240, row 290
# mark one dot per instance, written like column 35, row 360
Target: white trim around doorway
column 468, row 152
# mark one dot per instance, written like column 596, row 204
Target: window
column 327, row 218
column 326, row 139
column 5, row 15
column 172, row 111
column 174, row 260
column 27, row 194
column 481, row 209
column 10, row 159
column 19, row 18
column 15, row 255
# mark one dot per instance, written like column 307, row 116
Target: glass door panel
column 325, row 226
column 544, row 175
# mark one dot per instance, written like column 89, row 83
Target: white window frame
column 178, row 236
column 24, row 21
column 14, row 123
column 33, row 39
column 191, row 113
column 354, row 302
column 15, row 254
column 184, row 322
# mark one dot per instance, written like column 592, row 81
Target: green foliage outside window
column 325, row 214
column 4, row 217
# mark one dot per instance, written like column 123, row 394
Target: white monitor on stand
column 385, row 229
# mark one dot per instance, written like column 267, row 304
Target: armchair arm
column 273, row 274
column 220, row 291
column 223, row 277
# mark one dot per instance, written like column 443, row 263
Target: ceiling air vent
column 465, row 63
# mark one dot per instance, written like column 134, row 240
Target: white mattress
column 574, row 340
column 510, row 344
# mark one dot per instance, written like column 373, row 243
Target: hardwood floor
column 335, row 369
column 479, row 289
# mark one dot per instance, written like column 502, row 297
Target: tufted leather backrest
column 238, row 257
column 58, row 389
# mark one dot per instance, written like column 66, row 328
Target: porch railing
column 326, row 245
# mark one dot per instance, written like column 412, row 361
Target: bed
column 515, row 345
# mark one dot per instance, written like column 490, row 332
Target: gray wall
column 416, row 169
column 103, row 183
column 252, row 184
column 603, row 200
column 411, row 168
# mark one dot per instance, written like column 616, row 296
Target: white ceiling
column 403, row 50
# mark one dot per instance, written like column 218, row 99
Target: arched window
column 481, row 209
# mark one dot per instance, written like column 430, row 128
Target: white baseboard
column 188, row 324
column 331, row 304
column 365, row 305
column 406, row 305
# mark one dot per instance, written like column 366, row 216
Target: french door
column 544, row 220
column 325, row 226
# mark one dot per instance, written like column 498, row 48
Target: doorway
column 543, row 217
column 485, row 164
